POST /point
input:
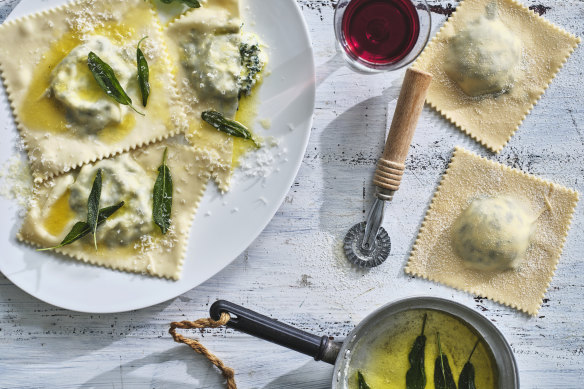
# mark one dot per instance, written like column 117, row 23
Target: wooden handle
column 390, row 167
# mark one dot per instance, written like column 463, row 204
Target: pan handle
column 321, row 348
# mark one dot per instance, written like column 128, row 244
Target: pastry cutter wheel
column 367, row 244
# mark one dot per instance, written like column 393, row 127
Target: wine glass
column 381, row 35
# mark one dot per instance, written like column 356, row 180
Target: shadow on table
column 55, row 329
column 350, row 147
column 199, row 372
column 313, row 375
column 325, row 70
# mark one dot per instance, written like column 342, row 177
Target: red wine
column 380, row 31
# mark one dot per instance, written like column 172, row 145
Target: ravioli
column 205, row 45
column 479, row 84
column 63, row 116
column 129, row 240
column 493, row 233
column 548, row 208
column 484, row 57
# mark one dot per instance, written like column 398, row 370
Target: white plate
column 235, row 220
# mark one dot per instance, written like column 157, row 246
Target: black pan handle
column 260, row 326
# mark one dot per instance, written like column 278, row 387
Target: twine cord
column 227, row 372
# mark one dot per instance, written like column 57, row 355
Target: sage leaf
column 416, row 375
column 107, row 80
column 190, row 3
column 80, row 229
column 143, row 73
column 93, row 205
column 106, row 212
column 162, row 196
column 443, row 378
column 466, row 380
column 361, row 381
column 231, row 127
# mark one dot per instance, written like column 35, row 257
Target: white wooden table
column 294, row 270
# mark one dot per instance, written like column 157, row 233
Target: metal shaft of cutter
column 375, row 219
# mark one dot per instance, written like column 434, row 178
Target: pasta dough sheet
column 217, row 17
column 469, row 177
column 489, row 120
column 34, row 45
column 50, row 217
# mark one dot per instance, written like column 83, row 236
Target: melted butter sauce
column 38, row 111
column 60, row 215
column 41, row 112
column 246, row 114
column 93, row 93
column 115, row 133
column 384, row 360
column 127, row 250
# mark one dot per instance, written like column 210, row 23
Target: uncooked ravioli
column 484, row 57
column 493, row 233
column 491, row 62
column 475, row 187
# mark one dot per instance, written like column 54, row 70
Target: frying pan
column 340, row 354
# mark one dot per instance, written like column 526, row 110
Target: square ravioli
column 491, row 61
column 468, row 183
column 128, row 240
column 206, row 44
column 63, row 116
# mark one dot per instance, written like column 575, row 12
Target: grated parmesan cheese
column 16, row 181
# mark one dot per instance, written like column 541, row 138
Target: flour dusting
column 327, row 271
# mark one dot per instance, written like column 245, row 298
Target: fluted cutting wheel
column 366, row 259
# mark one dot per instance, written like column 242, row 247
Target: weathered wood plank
column 291, row 271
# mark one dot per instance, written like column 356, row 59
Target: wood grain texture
column 410, row 103
column 292, row 271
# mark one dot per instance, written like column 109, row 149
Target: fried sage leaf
column 107, row 80
column 106, row 212
column 231, row 127
column 416, row 375
column 361, row 381
column 443, row 378
column 80, row 229
column 162, row 196
column 143, row 73
column 93, row 205
column 190, row 3
column 466, row 380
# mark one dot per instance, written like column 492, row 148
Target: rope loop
column 227, row 372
